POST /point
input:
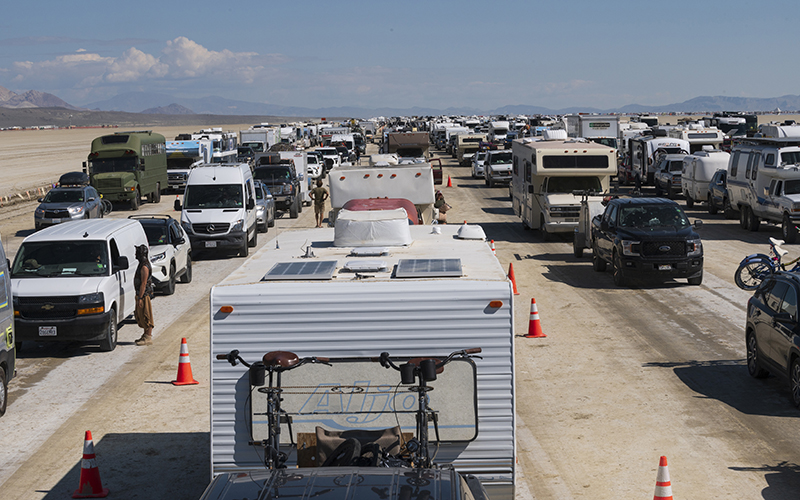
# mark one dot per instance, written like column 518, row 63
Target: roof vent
column 471, row 232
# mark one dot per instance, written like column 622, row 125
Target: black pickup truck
column 647, row 238
column 283, row 183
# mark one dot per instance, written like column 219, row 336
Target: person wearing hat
column 442, row 206
column 143, row 284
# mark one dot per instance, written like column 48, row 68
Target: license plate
column 55, row 221
column 47, row 331
column 570, row 219
column 665, row 267
column 211, row 244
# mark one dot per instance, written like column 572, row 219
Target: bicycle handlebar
column 387, row 362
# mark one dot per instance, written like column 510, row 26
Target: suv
column 647, row 238
column 265, row 207
column 668, row 175
column 72, row 199
column 718, row 195
column 772, row 334
column 170, row 251
column 497, row 167
column 283, row 183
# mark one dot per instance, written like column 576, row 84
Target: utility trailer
column 372, row 284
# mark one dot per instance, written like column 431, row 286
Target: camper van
column 467, row 146
column 498, row 131
column 764, row 181
column 698, row 136
column 545, row 174
column 74, row 282
column 377, row 285
column 644, row 151
column 698, row 170
column 219, row 208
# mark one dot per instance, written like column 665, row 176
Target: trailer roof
column 477, row 261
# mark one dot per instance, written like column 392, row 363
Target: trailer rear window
column 702, row 135
column 575, row 162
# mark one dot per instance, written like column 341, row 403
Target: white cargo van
column 218, row 210
column 8, row 352
column 698, row 169
column 441, row 293
column 74, row 282
column 545, row 174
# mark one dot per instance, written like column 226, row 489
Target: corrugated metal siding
column 362, row 318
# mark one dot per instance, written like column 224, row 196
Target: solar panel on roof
column 428, row 268
column 304, row 270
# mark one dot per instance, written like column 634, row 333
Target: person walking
column 143, row 284
column 319, row 194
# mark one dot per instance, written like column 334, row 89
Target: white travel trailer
column 602, row 129
column 764, row 182
column 644, row 151
column 440, row 294
column 545, row 174
column 410, row 181
column 698, row 135
column 698, row 169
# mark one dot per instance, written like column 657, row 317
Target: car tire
column 794, row 381
column 598, row 264
column 697, row 280
column 109, row 342
column 577, row 250
column 186, row 277
column 261, row 228
column 135, row 201
column 753, row 222
column 617, row 271
column 712, row 207
column 293, row 209
column 245, row 248
column 156, row 196
column 727, row 209
column 689, row 201
column 169, row 287
column 252, row 242
column 753, row 358
column 545, row 234
column 788, row 229
column 271, row 222
column 3, row 391
column 659, row 191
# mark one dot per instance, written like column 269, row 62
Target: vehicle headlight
column 40, row 212
column 630, row 247
column 91, row 303
column 795, row 207
column 238, row 225
column 260, row 209
column 75, row 210
column 694, row 248
column 157, row 257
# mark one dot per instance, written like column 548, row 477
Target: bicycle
column 107, row 207
column 756, row 267
column 274, row 363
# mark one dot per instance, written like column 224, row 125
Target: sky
column 439, row 54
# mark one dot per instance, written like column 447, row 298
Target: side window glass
column 515, row 166
column 770, row 161
column 756, row 159
column 735, row 164
column 749, row 166
column 527, row 171
column 772, row 187
column 114, row 251
column 789, row 304
column 612, row 215
column 779, row 188
column 3, row 290
column 774, row 296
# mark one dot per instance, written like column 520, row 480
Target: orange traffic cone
column 663, row 485
column 534, row 328
column 449, row 182
column 184, row 367
column 491, row 245
column 512, row 278
column 89, row 485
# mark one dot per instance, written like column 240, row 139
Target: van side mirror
column 177, row 205
column 251, row 204
column 698, row 224
column 604, row 225
column 121, row 264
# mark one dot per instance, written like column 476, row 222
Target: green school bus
column 125, row 166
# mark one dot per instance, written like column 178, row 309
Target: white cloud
column 133, row 66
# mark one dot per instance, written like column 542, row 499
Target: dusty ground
column 623, row 377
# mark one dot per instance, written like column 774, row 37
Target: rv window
column 790, row 157
column 770, row 161
column 756, row 160
column 527, row 171
column 575, row 162
column 772, row 189
column 735, row 164
column 779, row 188
column 515, row 167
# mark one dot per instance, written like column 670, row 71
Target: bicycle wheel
column 107, row 207
column 751, row 273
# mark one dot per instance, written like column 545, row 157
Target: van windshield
column 199, row 196
column 790, row 157
column 43, row 259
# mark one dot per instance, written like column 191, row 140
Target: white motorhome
column 258, row 139
column 221, row 140
column 84, row 270
column 182, row 156
column 467, row 146
column 764, row 182
column 698, row 135
column 410, row 181
column 219, row 208
column 545, row 174
column 421, row 293
column 602, row 129
column 644, row 152
column 498, row 131
column 698, row 169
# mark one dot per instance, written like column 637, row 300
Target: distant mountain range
column 31, row 99
column 154, row 103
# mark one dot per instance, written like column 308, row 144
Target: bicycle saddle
column 284, row 359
